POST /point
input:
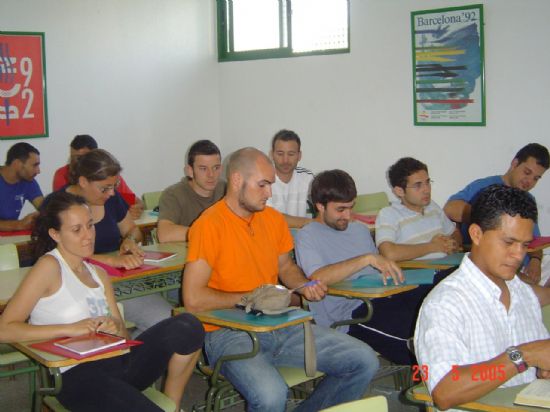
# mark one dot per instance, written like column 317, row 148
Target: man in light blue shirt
column 527, row 168
column 332, row 248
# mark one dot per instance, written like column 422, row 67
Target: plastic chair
column 546, row 316
column 374, row 404
column 151, row 199
column 9, row 358
column 371, row 203
column 160, row 399
column 9, row 259
column 222, row 394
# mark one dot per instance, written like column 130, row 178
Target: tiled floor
column 14, row 395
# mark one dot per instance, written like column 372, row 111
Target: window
column 263, row 29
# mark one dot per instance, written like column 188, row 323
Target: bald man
column 239, row 244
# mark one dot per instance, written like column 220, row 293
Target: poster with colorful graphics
column 23, row 109
column 447, row 54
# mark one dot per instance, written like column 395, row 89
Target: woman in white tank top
column 62, row 295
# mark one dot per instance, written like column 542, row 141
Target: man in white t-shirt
column 290, row 192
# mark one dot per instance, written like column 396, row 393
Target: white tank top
column 73, row 301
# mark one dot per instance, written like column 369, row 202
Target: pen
column 310, row 283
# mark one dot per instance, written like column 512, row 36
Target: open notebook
column 537, row 393
column 94, row 342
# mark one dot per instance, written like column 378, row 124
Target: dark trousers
column 115, row 384
column 393, row 322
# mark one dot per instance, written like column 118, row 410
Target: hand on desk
column 388, row 269
column 129, row 246
column 129, row 261
column 83, row 327
column 28, row 221
column 314, row 292
column 533, row 271
column 136, row 209
column 445, row 244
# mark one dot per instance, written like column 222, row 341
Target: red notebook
column 15, row 232
column 368, row 219
column 121, row 272
column 155, row 257
column 51, row 346
column 539, row 241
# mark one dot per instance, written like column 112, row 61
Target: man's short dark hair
column 399, row 172
column 82, row 141
column 496, row 200
column 20, row 151
column 202, row 147
column 286, row 136
column 535, row 150
column 333, row 186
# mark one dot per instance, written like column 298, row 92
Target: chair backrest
column 371, row 203
column 9, row 259
column 546, row 316
column 151, row 199
column 374, row 404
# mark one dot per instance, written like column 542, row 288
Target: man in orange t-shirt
column 239, row 244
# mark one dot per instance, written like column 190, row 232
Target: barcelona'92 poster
column 449, row 86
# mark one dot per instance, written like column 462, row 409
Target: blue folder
column 412, row 277
column 452, row 260
column 240, row 316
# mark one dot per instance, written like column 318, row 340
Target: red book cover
column 368, row 219
column 121, row 272
column 16, row 233
column 539, row 241
column 155, row 257
column 52, row 347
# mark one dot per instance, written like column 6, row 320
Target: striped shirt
column 401, row 225
column 462, row 321
column 291, row 198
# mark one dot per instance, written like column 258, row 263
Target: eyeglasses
column 418, row 185
column 108, row 188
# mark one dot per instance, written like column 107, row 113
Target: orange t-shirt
column 243, row 254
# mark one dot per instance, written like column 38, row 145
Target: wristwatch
column 516, row 357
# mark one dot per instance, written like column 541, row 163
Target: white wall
column 141, row 76
column 138, row 75
column 354, row 111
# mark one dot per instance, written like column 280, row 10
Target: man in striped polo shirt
column 414, row 227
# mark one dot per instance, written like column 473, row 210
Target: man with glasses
column 82, row 144
column 17, row 184
column 527, row 168
column 414, row 227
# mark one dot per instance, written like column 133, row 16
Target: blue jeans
column 348, row 364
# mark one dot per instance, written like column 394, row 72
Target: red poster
column 23, row 110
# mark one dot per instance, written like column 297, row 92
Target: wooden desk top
column 339, row 289
column 10, row 279
column 175, row 263
column 499, row 400
column 55, row 361
column 238, row 319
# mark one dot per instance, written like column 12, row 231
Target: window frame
column 226, row 53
